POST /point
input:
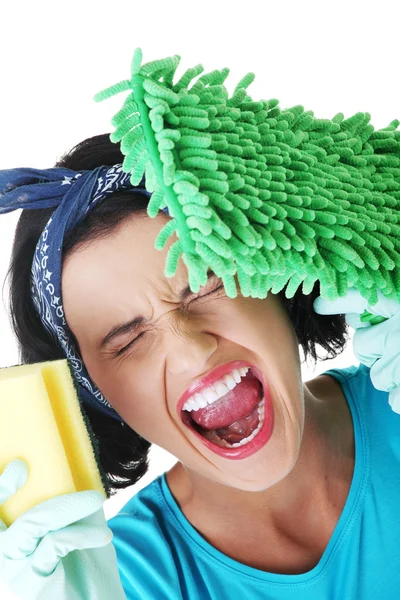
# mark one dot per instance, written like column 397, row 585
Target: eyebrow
column 135, row 323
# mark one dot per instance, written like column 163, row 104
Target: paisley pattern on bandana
column 49, row 306
column 74, row 194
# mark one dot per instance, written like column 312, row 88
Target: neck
column 315, row 487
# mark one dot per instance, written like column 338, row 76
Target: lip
column 267, row 428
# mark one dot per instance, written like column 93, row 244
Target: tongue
column 236, row 404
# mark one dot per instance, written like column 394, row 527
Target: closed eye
column 125, row 348
column 208, row 293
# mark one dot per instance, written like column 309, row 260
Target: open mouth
column 240, row 414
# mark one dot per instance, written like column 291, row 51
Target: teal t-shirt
column 161, row 555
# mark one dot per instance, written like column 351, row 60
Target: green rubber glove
column 376, row 340
column 59, row 549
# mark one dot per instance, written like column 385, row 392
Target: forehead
column 129, row 247
column 118, row 273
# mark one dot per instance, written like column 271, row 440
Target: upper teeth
column 215, row 391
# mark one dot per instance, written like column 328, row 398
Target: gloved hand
column 59, row 549
column 375, row 345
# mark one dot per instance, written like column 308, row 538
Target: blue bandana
column 73, row 194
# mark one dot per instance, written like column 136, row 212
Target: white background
column 328, row 56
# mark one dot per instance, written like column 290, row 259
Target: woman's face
column 113, row 280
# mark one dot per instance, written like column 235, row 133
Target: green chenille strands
column 264, row 197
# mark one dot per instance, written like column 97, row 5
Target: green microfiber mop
column 270, row 196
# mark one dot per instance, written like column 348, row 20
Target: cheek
column 131, row 389
column 249, row 318
column 262, row 325
column 141, row 405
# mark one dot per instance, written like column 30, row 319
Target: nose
column 189, row 348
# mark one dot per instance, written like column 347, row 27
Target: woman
column 260, row 520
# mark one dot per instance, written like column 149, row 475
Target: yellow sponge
column 42, row 422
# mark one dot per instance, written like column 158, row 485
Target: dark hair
column 123, row 453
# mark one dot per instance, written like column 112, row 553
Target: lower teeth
column 261, row 416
